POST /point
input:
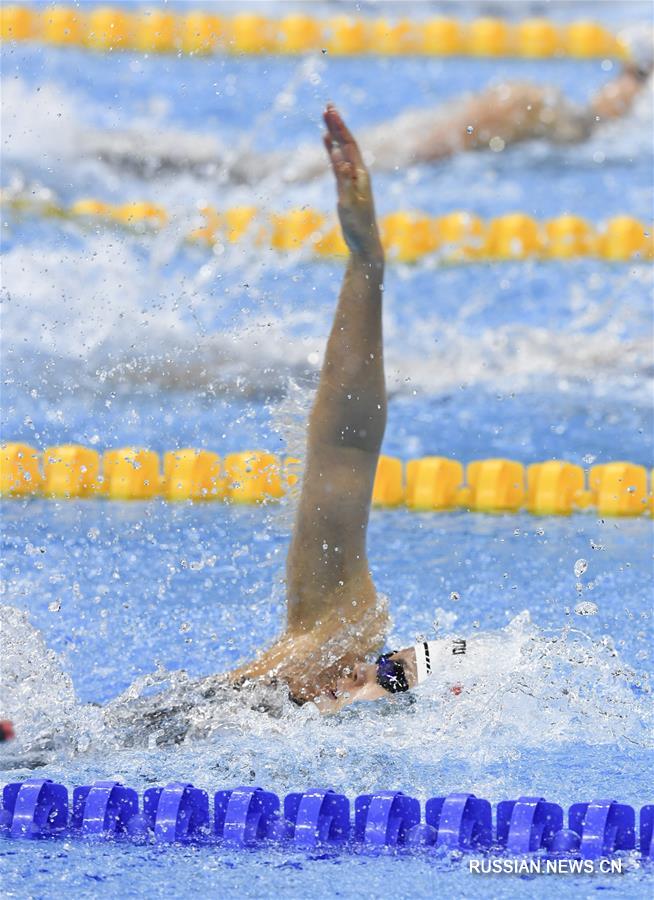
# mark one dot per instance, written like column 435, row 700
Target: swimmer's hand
column 356, row 208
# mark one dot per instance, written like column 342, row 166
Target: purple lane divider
column 385, row 819
column 104, row 808
column 605, row 827
column 647, row 831
column 317, row 817
column 246, row 816
column 178, row 812
column 462, row 821
column 528, row 824
column 37, row 808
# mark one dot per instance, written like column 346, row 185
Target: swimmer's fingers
column 345, row 173
column 342, row 136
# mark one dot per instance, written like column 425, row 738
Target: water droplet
column 55, row 606
column 580, row 567
column 470, row 129
column 454, row 596
column 587, row 608
column 184, row 627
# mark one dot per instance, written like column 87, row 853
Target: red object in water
column 7, row 732
column 456, row 689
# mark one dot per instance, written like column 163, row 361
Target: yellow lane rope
column 158, row 30
column 407, row 235
column 430, row 483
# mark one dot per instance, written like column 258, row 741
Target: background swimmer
column 499, row 116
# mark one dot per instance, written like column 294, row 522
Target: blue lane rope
column 250, row 816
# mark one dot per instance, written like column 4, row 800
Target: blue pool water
column 113, row 339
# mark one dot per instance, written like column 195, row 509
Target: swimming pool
column 115, row 339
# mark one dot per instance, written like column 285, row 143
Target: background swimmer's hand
column 356, row 208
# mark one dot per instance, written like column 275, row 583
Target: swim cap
column 638, row 41
column 429, row 654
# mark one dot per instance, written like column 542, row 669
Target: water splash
column 38, row 695
column 528, row 689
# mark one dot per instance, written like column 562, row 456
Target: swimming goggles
column 390, row 674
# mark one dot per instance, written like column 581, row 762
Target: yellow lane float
column 624, row 238
column 62, row 25
column 197, row 32
column 430, row 483
column 131, row 474
column 495, row 485
column 489, row 37
column 567, row 237
column 388, row 489
column 252, row 477
column 200, row 33
column 20, row 472
column 298, row 34
column 108, row 29
column 618, row 488
column 346, row 36
column 192, row 475
column 554, row 488
column 441, row 37
column 538, row 39
column 155, row 31
column 407, row 235
column 433, row 482
column 514, row 236
column 589, row 40
column 17, row 23
column 70, row 471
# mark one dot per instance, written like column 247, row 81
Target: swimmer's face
column 360, row 683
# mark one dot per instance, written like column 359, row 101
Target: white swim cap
column 638, row 41
column 429, row 655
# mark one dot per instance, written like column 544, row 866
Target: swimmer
column 504, row 114
column 335, row 617
column 336, row 620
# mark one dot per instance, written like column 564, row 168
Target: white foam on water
column 37, row 694
column 114, row 319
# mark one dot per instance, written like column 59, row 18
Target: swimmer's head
column 638, row 41
column 392, row 673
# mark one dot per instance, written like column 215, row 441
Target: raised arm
column 334, row 618
column 327, row 568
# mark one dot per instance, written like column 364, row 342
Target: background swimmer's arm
column 505, row 114
column 616, row 98
column 327, row 558
column 509, row 111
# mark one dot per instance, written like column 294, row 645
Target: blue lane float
column 249, row 816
